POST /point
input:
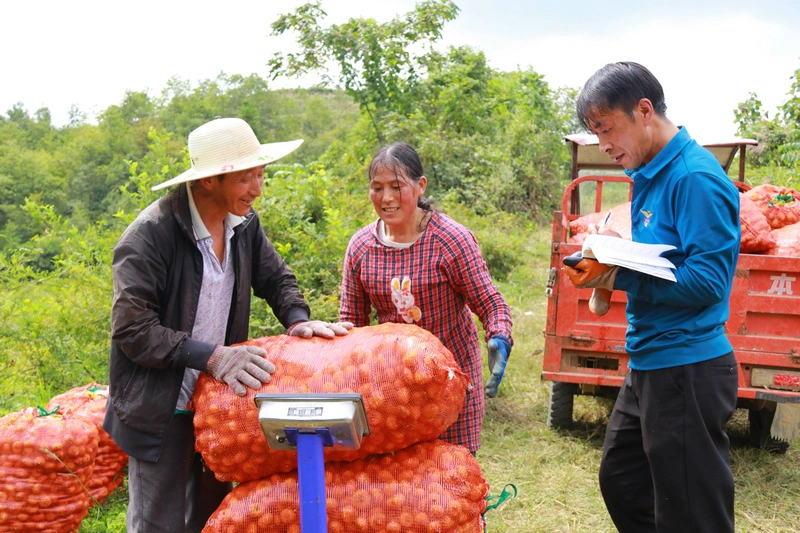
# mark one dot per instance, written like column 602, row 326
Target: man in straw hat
column 183, row 271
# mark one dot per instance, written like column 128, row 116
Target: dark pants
column 175, row 494
column 666, row 458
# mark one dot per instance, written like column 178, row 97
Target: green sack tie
column 781, row 200
column 96, row 392
column 41, row 411
column 505, row 495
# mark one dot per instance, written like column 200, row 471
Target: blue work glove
column 499, row 349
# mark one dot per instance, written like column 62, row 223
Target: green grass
column 108, row 517
column 556, row 472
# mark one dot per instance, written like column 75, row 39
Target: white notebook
column 632, row 255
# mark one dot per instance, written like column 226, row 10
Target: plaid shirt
column 436, row 283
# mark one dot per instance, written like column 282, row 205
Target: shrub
column 310, row 219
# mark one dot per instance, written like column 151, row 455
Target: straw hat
column 227, row 145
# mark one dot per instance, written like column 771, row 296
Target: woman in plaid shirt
column 419, row 266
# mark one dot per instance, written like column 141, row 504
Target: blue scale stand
column 309, row 423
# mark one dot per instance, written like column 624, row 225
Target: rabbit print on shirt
column 404, row 300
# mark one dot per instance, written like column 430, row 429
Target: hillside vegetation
column 492, row 145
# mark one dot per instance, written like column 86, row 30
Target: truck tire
column 760, row 423
column 562, row 396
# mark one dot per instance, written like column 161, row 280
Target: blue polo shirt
column 684, row 198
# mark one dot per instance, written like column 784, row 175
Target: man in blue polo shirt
column 666, row 457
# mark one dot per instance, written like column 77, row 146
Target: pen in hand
column 603, row 223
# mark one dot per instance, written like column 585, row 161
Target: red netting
column 781, row 206
column 89, row 402
column 430, row 486
column 787, row 241
column 578, row 238
column 411, row 385
column 619, row 221
column 756, row 231
column 45, row 462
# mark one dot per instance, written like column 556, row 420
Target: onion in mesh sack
column 411, row 385
column 781, row 206
column 428, row 487
column 45, row 462
column 89, row 402
column 756, row 231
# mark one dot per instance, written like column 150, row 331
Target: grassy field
column 556, row 472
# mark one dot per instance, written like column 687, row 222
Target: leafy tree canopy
column 81, row 169
column 777, row 156
column 376, row 63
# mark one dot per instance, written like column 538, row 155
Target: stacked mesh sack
column 780, row 208
column 402, row 478
column 46, row 461
column 89, row 402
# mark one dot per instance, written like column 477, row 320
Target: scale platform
column 284, row 415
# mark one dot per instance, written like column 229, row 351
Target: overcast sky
column 708, row 57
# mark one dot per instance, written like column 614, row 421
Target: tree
column 791, row 108
column 777, row 155
column 490, row 139
column 376, row 64
column 36, row 132
column 94, row 157
column 790, row 112
column 27, row 168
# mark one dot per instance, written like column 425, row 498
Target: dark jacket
column 157, row 272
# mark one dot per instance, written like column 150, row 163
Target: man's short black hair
column 619, row 86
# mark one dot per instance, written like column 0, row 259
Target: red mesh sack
column 756, row 231
column 430, row 486
column 578, row 238
column 781, row 206
column 787, row 241
column 581, row 225
column 619, row 221
column 89, row 402
column 45, row 463
column 411, row 385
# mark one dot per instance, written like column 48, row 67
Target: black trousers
column 666, row 457
column 176, row 494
